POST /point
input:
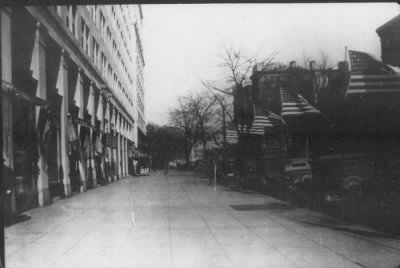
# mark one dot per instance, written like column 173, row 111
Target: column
column 108, row 146
column 39, row 73
column 123, row 151
column 79, row 101
column 92, row 111
column 115, row 148
column 118, row 136
column 125, row 158
column 7, row 105
column 63, row 91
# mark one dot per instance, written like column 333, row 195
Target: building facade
column 389, row 33
column 73, row 94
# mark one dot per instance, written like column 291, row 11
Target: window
column 102, row 24
column 94, row 16
column 114, row 48
column 103, row 63
column 85, row 38
column 110, row 71
column 95, row 53
column 70, row 20
column 115, row 80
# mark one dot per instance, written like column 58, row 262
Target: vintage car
column 298, row 170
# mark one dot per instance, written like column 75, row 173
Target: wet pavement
column 178, row 220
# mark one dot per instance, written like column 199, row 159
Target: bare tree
column 225, row 110
column 238, row 69
column 323, row 63
column 203, row 105
column 184, row 119
column 194, row 118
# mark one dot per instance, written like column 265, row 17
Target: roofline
column 388, row 24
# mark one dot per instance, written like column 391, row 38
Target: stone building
column 72, row 97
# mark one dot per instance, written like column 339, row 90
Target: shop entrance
column 55, row 181
column 25, row 155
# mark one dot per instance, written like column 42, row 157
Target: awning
column 9, row 88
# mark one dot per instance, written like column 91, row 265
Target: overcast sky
column 183, row 43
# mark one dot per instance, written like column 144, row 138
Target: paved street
column 178, row 220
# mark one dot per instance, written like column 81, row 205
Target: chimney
column 312, row 65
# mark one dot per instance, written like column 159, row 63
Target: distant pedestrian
column 134, row 163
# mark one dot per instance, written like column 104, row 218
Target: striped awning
column 369, row 75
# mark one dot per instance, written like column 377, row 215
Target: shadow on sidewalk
column 241, row 190
column 17, row 219
column 270, row 206
column 364, row 233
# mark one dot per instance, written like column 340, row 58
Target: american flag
column 368, row 75
column 295, row 105
column 261, row 121
column 232, row 136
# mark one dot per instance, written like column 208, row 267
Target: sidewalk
column 178, row 220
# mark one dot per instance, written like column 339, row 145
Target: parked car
column 298, row 181
column 298, row 170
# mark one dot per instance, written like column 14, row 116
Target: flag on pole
column 261, row 121
column 99, row 113
column 113, row 119
column 107, row 116
column 60, row 78
column 368, row 75
column 295, row 105
column 78, row 88
column 90, row 104
column 34, row 66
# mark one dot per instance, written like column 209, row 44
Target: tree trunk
column 186, row 151
column 224, row 139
